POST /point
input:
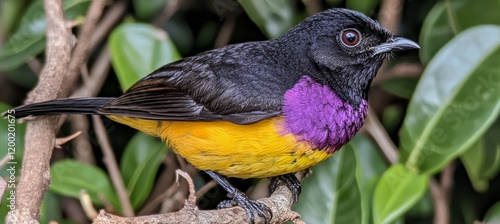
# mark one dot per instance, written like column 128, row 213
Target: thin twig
column 452, row 17
column 108, row 22
column 35, row 65
column 390, row 14
column 168, row 11
column 82, row 48
column 192, row 193
column 4, row 160
column 441, row 211
column 407, row 70
column 226, row 30
column 112, row 166
column 87, row 205
column 64, row 140
column 312, row 6
column 81, row 145
column 165, row 180
column 203, row 190
column 98, row 74
column 377, row 131
column 447, row 177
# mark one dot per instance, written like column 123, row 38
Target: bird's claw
column 253, row 208
column 291, row 182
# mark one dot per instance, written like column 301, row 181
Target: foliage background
column 436, row 109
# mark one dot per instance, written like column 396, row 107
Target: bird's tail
column 62, row 106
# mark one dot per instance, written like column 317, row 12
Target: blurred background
column 428, row 153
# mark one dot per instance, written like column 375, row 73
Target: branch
column 280, row 203
column 40, row 133
column 378, row 133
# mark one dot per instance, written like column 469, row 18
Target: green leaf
column 273, row 17
column 493, row 214
column 473, row 160
column 140, row 162
column 400, row 86
column 12, row 142
column 22, row 76
column 139, row 49
column 398, row 190
column 51, row 208
column 456, row 100
column 29, row 39
column 491, row 147
column 148, row 9
column 392, row 117
column 423, row 208
column 369, row 168
column 8, row 202
column 437, row 29
column 364, row 6
column 69, row 177
column 482, row 159
column 331, row 194
column 9, row 13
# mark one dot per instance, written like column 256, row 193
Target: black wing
column 233, row 83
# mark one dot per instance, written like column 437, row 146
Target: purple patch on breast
column 315, row 114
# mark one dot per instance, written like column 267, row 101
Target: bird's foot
column 253, row 208
column 291, row 182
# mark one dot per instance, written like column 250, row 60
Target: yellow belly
column 244, row 151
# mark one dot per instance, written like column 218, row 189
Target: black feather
column 62, row 106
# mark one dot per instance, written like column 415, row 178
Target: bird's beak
column 395, row 44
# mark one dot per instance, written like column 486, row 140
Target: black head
column 344, row 49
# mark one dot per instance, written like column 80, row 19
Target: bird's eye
column 350, row 37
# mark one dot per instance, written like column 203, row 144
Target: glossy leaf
column 29, row 39
column 482, row 160
column 398, row 190
column 273, row 17
column 437, row 29
column 140, row 162
column 331, row 194
column 69, row 177
column 456, row 100
column 139, row 49
column 369, row 168
column 364, row 6
column 493, row 214
column 473, row 160
column 148, row 9
column 400, row 86
column 491, row 147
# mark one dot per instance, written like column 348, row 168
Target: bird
column 262, row 109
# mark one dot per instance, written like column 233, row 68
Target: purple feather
column 315, row 114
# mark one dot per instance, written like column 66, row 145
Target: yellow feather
column 245, row 151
